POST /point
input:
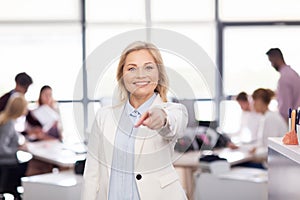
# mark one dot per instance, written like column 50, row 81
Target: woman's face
column 259, row 105
column 140, row 74
column 245, row 105
column 46, row 96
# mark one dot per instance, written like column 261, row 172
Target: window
column 177, row 10
column 48, row 39
column 256, row 10
column 246, row 65
column 35, row 10
column 115, row 11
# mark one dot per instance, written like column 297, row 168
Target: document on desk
column 56, row 152
column 235, row 156
column 78, row 148
column 46, row 116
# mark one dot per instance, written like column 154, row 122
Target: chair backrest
column 79, row 167
column 190, row 106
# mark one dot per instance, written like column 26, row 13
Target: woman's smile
column 141, row 83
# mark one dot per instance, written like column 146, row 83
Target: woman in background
column 10, row 169
column 37, row 127
column 16, row 107
column 271, row 124
column 43, row 123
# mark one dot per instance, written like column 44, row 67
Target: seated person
column 248, row 129
column 44, row 122
column 272, row 123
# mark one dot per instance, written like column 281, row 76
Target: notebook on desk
column 78, row 148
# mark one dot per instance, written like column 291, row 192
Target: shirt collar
column 143, row 108
column 283, row 68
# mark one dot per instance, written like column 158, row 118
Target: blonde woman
column 131, row 144
column 15, row 107
column 11, row 170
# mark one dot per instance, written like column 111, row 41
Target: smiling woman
column 140, row 75
column 146, row 55
column 131, row 144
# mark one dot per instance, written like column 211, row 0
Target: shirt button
column 138, row 177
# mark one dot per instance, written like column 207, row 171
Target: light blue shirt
column 122, row 184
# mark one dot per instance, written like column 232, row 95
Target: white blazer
column 155, row 175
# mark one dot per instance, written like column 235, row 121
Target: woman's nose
column 141, row 72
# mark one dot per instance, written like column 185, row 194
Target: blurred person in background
column 10, row 169
column 23, row 81
column 44, row 122
column 248, row 129
column 271, row 124
column 288, row 92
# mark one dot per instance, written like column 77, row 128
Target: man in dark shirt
column 23, row 81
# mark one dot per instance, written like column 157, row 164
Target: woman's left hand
column 154, row 119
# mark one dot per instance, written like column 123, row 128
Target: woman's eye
column 149, row 67
column 131, row 69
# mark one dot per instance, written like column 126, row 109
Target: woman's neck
column 264, row 110
column 137, row 101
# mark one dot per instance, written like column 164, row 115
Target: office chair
column 197, row 136
column 79, row 167
column 190, row 106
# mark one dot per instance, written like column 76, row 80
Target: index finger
column 142, row 119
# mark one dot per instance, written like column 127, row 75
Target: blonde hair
column 163, row 82
column 15, row 107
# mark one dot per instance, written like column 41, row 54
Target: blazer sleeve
column 91, row 173
column 177, row 119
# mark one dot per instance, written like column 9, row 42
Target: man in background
column 23, row 81
column 288, row 92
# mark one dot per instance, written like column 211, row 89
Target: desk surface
column 55, row 152
column 191, row 158
column 290, row 151
column 63, row 185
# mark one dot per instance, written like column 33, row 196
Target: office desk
column 63, row 185
column 191, row 158
column 189, row 162
column 57, row 153
column 283, row 169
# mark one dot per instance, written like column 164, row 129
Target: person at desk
column 10, row 169
column 44, row 122
column 247, row 132
column 131, row 144
column 271, row 124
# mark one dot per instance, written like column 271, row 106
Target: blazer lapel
column 112, row 126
